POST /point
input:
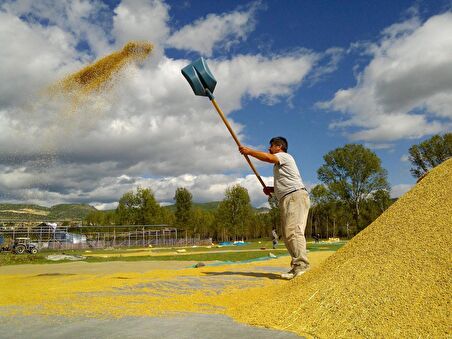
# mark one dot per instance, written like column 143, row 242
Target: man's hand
column 263, row 156
column 245, row 150
column 268, row 190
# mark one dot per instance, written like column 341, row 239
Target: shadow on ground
column 271, row 276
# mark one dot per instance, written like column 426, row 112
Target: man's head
column 278, row 144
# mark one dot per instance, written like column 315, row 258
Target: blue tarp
column 235, row 243
column 228, row 262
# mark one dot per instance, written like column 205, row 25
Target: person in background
column 316, row 237
column 293, row 199
column 275, row 238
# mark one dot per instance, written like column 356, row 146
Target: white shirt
column 286, row 175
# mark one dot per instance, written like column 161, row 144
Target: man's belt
column 303, row 188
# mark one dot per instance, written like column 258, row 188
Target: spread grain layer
column 393, row 280
column 133, row 289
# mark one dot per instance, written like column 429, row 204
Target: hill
column 205, row 206
column 70, row 211
column 212, row 206
column 23, row 212
column 32, row 212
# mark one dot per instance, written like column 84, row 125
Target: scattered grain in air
column 84, row 95
column 74, row 105
column 96, row 76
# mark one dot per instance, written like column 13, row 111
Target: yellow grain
column 157, row 292
column 393, row 280
column 96, row 76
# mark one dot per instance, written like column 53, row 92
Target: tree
column 351, row 173
column 381, row 199
column 430, row 153
column 183, row 207
column 100, row 218
column 319, row 194
column 127, row 210
column 148, row 207
column 375, row 205
column 166, row 217
column 274, row 214
column 201, row 223
column 235, row 211
column 138, row 209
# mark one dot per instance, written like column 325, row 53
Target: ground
column 170, row 299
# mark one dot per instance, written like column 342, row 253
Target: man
column 293, row 201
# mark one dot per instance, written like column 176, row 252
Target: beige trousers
column 294, row 209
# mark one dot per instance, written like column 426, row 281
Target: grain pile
column 393, row 280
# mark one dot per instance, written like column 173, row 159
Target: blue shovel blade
column 199, row 77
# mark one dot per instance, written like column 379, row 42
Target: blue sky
column 321, row 73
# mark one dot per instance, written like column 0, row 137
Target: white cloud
column 141, row 20
column 62, row 183
column 147, row 129
column 261, row 77
column 399, row 190
column 331, row 58
column 215, row 31
column 406, row 89
column 32, row 59
column 86, row 21
column 405, row 158
column 379, row 146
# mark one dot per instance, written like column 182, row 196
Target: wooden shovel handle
column 226, row 122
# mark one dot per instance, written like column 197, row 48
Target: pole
column 228, row 126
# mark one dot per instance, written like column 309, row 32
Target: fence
column 89, row 237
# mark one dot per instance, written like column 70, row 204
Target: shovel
column 203, row 83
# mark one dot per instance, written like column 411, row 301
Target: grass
column 227, row 256
column 228, row 253
column 20, row 259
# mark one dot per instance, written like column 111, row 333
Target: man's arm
column 262, row 156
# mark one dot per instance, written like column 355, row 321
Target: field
column 146, row 292
column 251, row 251
column 376, row 286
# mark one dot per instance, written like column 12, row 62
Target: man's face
column 273, row 149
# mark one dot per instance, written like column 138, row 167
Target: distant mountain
column 206, row 206
column 32, row 212
column 23, row 212
column 70, row 211
column 212, row 206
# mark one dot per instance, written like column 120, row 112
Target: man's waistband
column 298, row 189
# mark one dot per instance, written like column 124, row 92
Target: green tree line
column 353, row 192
